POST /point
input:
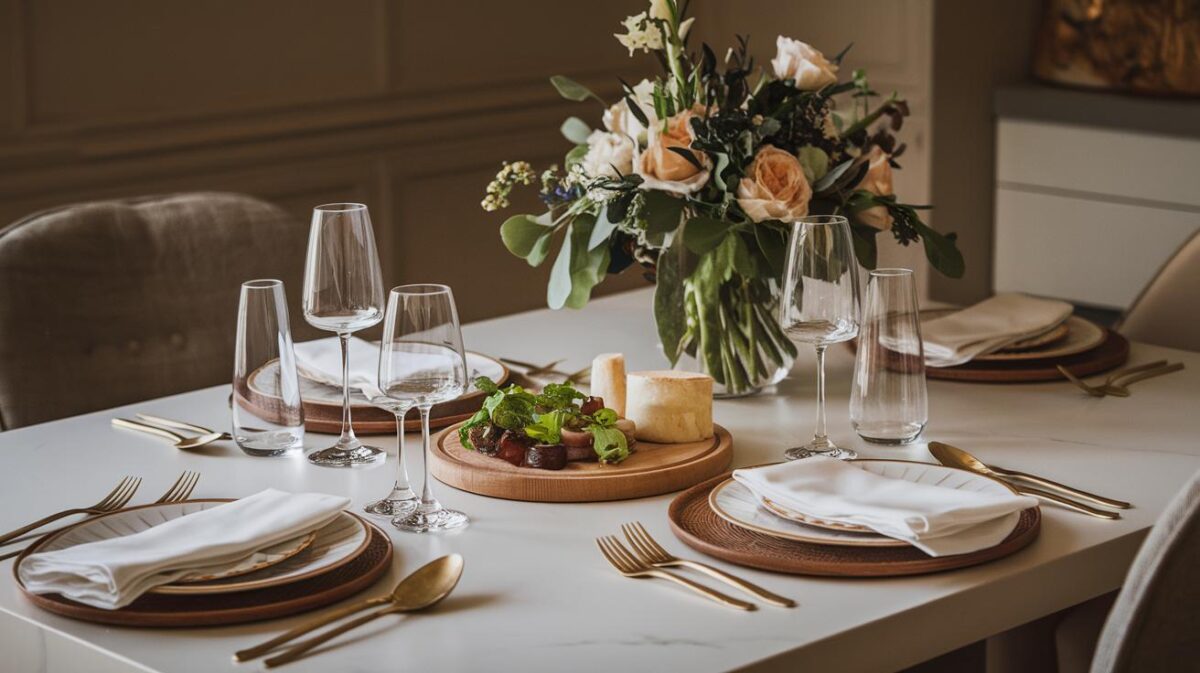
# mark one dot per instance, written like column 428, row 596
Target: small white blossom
column 642, row 33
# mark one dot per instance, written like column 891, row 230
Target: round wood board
column 1112, row 352
column 699, row 527
column 652, row 469
column 367, row 419
column 163, row 610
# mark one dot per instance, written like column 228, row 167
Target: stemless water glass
column 422, row 362
column 888, row 403
column 343, row 293
column 820, row 305
column 268, row 418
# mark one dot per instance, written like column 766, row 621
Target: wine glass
column 421, row 363
column 343, row 293
column 820, row 305
column 401, row 499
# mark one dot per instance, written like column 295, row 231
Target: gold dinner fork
column 652, row 553
column 630, row 566
column 1122, row 389
column 1099, row 391
column 115, row 500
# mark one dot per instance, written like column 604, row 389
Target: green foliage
column 527, row 238
column 575, row 130
column 572, row 90
column 558, row 397
column 548, row 427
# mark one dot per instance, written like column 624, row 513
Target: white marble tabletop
column 536, row 595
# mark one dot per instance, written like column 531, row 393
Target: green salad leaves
column 543, row 417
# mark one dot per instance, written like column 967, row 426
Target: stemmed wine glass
column 820, row 305
column 343, row 293
column 421, row 363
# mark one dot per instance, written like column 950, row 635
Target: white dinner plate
column 738, row 505
column 334, row 544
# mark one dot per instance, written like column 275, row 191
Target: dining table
column 536, row 594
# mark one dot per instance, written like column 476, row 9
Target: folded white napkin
column 989, row 326
column 321, row 360
column 937, row 520
column 112, row 573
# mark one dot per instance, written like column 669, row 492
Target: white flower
column 797, row 61
column 608, row 154
column 642, row 33
column 659, row 9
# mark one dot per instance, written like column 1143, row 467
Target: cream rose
column 798, row 61
column 666, row 170
column 774, row 187
column 607, row 154
column 877, row 181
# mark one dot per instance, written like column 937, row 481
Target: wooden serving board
column 653, row 469
column 170, row 610
column 695, row 523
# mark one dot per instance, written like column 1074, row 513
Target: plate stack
column 316, row 569
column 723, row 518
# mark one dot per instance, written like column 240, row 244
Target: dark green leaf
column 636, row 111
column 865, row 246
column 669, row 313
column 689, row 155
column 773, row 243
column 943, row 254
column 662, row 212
column 834, row 173
column 575, row 130
column 702, row 234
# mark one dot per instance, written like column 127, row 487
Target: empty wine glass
column 343, row 293
column 888, row 403
column 422, row 362
column 401, row 499
column 820, row 305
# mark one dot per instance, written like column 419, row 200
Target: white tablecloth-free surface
column 537, row 596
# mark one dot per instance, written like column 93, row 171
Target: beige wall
column 407, row 106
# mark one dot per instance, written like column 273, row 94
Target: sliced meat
column 512, row 446
column 546, row 456
column 591, row 405
column 576, row 438
column 486, row 438
column 581, row 453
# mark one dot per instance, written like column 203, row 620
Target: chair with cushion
column 1164, row 313
column 106, row 303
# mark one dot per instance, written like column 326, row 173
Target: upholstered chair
column 1165, row 313
column 106, row 303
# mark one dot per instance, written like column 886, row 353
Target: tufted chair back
column 106, row 303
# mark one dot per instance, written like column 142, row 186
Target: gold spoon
column 427, row 586
column 179, row 440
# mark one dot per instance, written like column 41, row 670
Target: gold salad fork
column 653, row 554
column 115, row 500
column 1122, row 389
column 630, row 566
column 1099, row 391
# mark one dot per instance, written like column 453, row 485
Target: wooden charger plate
column 367, row 419
column 653, row 469
column 170, row 610
column 1112, row 352
column 699, row 527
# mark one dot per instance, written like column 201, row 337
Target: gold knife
column 952, row 456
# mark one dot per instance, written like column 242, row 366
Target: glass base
column 361, row 456
column 431, row 521
column 400, row 502
column 826, row 449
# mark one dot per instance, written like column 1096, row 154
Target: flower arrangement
column 696, row 175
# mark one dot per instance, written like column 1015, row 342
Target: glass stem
column 347, row 436
column 819, row 436
column 428, row 502
column 401, row 484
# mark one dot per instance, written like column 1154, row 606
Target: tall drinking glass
column 888, row 403
column 268, row 418
column 343, row 293
column 422, row 362
column 820, row 305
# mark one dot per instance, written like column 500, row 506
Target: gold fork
column 1099, row 391
column 115, row 500
column 630, row 566
column 1122, row 389
column 653, row 554
column 181, row 489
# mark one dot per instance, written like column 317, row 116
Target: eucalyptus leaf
column 572, row 90
column 702, row 233
column 558, row 290
column 575, row 155
column 661, row 212
column 719, row 169
column 814, row 161
column 575, row 130
column 602, row 231
column 522, row 235
column 587, row 266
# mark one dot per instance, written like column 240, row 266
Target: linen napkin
column 989, row 326
column 321, row 360
column 937, row 520
column 112, row 573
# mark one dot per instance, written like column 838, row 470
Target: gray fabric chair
column 1164, row 314
column 1155, row 624
column 107, row 303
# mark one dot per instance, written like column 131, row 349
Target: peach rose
column 774, row 187
column 666, row 170
column 877, row 181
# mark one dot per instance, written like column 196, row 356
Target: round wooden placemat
column 694, row 522
column 368, row 419
column 162, row 610
column 653, row 469
column 1113, row 352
